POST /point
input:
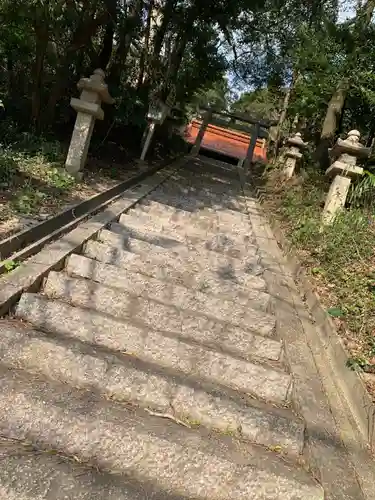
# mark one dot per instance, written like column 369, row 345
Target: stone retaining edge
column 351, row 406
column 29, row 275
column 350, row 381
column 336, row 449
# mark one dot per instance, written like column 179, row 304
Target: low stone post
column 292, row 154
column 94, row 92
column 343, row 169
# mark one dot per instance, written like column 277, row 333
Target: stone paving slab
column 239, row 242
column 148, row 205
column 194, row 224
column 200, row 328
column 120, row 379
column 204, row 218
column 171, row 352
column 33, row 475
column 140, row 285
column 178, row 461
column 191, row 256
column 191, row 198
column 167, row 237
column 223, row 281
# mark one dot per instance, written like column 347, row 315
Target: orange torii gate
column 229, row 138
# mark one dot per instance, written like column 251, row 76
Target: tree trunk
column 11, row 77
column 337, row 102
column 158, row 41
column 144, row 54
column 331, row 122
column 160, row 34
column 284, row 111
column 82, row 36
column 107, row 47
column 132, row 23
column 41, row 34
column 106, row 52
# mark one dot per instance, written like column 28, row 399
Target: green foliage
column 32, row 175
column 362, row 193
column 9, row 265
column 335, row 312
column 28, row 201
column 341, row 257
column 217, row 95
column 8, row 168
column 263, row 103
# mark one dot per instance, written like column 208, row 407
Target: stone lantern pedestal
column 88, row 107
column 343, row 169
column 292, row 154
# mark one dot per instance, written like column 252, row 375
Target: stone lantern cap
column 347, row 152
column 296, row 141
column 96, row 84
column 350, row 146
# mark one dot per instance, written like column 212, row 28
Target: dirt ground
column 41, row 190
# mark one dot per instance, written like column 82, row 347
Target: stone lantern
column 292, row 154
column 343, row 169
column 94, row 92
column 157, row 113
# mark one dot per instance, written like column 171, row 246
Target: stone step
column 140, row 285
column 205, row 218
column 227, row 216
column 193, row 223
column 185, row 194
column 169, row 352
column 183, row 246
column 154, row 451
column 223, row 281
column 27, row 474
column 156, row 316
column 168, row 238
column 123, row 379
column 200, row 257
column 238, row 238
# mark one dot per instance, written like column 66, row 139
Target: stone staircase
column 151, row 367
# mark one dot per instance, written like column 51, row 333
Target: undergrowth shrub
column 340, row 257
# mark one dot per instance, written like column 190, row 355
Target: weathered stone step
column 27, row 474
column 238, row 242
column 198, row 257
column 191, row 194
column 151, row 450
column 223, row 281
column 123, row 379
column 191, row 201
column 167, row 238
column 151, row 314
column 140, row 285
column 169, row 352
column 181, row 245
column 226, row 216
column 205, row 218
column 199, row 226
column 150, row 204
